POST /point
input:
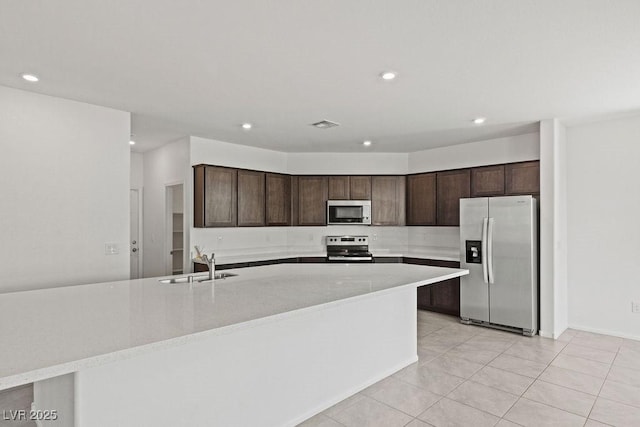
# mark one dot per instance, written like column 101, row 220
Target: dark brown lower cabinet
column 441, row 297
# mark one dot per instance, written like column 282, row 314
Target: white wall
column 137, row 170
column 347, row 163
column 603, row 226
column 561, row 274
column 65, row 174
column 167, row 165
column 553, row 229
column 494, row 151
column 219, row 153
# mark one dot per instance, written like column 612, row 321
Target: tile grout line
column 522, row 394
column 533, row 382
column 469, row 379
column 465, row 380
column 603, row 383
column 562, row 409
column 440, row 397
column 537, row 378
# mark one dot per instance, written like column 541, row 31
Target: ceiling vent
column 325, row 124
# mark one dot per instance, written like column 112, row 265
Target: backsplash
column 266, row 240
column 445, row 240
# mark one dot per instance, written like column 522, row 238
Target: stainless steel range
column 348, row 248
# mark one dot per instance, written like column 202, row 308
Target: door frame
column 168, row 226
column 140, row 191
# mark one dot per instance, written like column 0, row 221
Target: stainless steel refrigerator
column 498, row 245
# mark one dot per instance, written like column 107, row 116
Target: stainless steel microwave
column 349, row 212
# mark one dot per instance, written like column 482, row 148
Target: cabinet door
column 295, row 200
column 250, row 198
column 452, row 186
column 215, row 192
column 522, row 178
column 445, row 297
column 360, row 187
column 442, row 297
column 421, row 199
column 387, row 200
column 312, row 200
column 424, row 297
column 338, row 188
column 487, row 181
column 278, row 199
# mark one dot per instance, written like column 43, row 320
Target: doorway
column 175, row 229
column 135, row 260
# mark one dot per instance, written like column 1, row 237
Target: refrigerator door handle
column 489, row 252
column 485, row 268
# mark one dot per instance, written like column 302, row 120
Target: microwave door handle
column 485, row 269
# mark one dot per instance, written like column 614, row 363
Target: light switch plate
column 635, row 306
column 111, row 249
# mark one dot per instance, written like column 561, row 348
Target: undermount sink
column 196, row 279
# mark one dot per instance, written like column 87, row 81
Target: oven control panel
column 347, row 240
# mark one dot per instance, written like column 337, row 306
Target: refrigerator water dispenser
column 474, row 251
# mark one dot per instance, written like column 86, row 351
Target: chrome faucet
column 211, row 263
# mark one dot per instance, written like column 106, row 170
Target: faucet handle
column 213, row 255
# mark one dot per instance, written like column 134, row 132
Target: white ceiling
column 204, row 67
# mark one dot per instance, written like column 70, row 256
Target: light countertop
column 51, row 332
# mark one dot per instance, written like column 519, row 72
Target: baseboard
column 545, row 334
column 342, row 396
column 605, row 332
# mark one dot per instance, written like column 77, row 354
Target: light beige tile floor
column 473, row 376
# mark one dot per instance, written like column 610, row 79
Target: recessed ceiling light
column 479, row 120
column 30, row 78
column 366, row 143
column 388, row 75
column 132, row 142
column 247, row 126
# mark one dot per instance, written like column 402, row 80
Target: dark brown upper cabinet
column 451, row 187
column 312, row 200
column 278, row 199
column 356, row 187
column 339, row 188
column 215, row 196
column 251, row 200
column 487, row 181
column 388, row 200
column 522, row 178
column 421, row 199
column 360, row 187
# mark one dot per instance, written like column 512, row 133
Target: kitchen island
column 271, row 346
